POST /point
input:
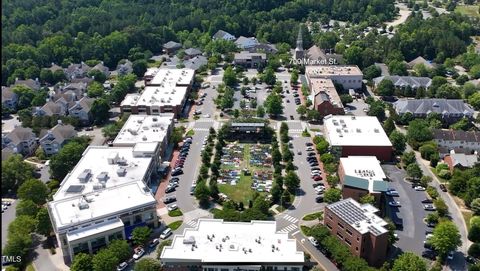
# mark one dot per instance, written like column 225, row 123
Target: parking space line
column 293, row 233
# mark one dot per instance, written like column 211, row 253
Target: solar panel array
column 348, row 211
column 75, row 188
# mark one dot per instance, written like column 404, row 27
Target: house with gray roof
column 7, row 152
column 196, row 62
column 457, row 141
column 263, row 48
column 81, row 110
column 51, row 109
column 245, row 43
column 461, row 160
column 421, row 60
column 54, row 139
column 223, row 35
column 450, row 110
column 125, row 68
column 20, row 140
column 77, row 70
column 9, row 98
column 192, row 52
column 29, row 83
column 102, row 68
column 55, row 68
column 171, row 47
column 405, row 81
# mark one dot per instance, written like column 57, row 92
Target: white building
column 218, row 245
column 143, row 128
column 104, row 198
column 350, row 77
column 166, row 91
column 357, row 135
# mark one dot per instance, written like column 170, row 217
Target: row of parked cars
column 138, row 253
column 5, row 204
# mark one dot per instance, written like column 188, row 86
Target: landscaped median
column 313, row 216
column 175, row 225
column 175, row 213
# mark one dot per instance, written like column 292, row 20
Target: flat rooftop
column 248, row 55
column 219, row 241
column 103, row 167
column 144, row 128
column 80, row 209
column 360, row 217
column 366, row 172
column 332, row 70
column 324, row 90
column 172, row 77
column 355, row 131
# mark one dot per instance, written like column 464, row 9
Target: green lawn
column 190, row 132
column 305, row 230
column 175, row 225
column 175, row 213
column 313, row 216
column 470, row 10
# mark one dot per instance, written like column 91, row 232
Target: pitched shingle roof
column 464, row 160
column 426, row 106
column 193, row 51
column 196, row 62
column 85, row 103
column 7, row 94
column 59, row 133
column 51, row 108
column 172, row 45
column 421, row 60
column 20, row 134
column 221, row 34
column 403, row 81
column 456, row 135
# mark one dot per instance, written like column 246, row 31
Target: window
column 356, row 248
column 328, row 226
column 339, row 235
column 340, row 225
column 348, row 242
column 349, row 232
column 358, row 239
column 330, row 217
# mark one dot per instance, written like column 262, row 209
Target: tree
column 22, row 225
column 446, row 237
column 292, row 182
column 397, row 68
column 418, row 132
column 44, row 224
column 229, row 76
column 353, row 55
column 66, row 159
column 442, row 208
column 140, row 235
column 148, row 264
column 18, row 245
column 286, row 198
column 273, row 104
column 371, row 72
column 385, row 88
column 313, row 115
column 377, row 109
column 414, row 171
column 269, row 76
column 261, row 204
column 427, row 149
column 294, row 77
column 474, row 250
column 121, row 249
column 389, row 125
column 474, row 233
column 474, row 100
column 139, row 67
column 332, row 195
column 475, row 206
column 408, row 261
column 100, row 110
column 26, row 207
column 398, row 141
column 95, row 90
column 34, row 190
column 260, row 111
column 301, row 110
column 345, row 99
column 475, row 71
column 15, row 172
column 202, row 193
column 368, row 198
column 105, row 259
column 408, row 158
column 82, row 262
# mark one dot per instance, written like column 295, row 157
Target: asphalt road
column 7, row 217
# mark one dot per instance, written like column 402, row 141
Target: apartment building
column 217, row 245
column 350, row 77
column 450, row 110
column 166, row 91
column 357, row 136
column 104, row 198
column 359, row 228
column 250, row 60
column 458, row 141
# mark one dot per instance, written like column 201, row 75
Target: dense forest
column 37, row 33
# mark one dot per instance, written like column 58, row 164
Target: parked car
column 153, row 243
column 139, row 252
column 394, row 203
column 419, row 188
column 313, row 241
column 167, row 232
column 319, row 199
column 318, row 184
column 309, row 144
column 392, row 193
column 169, row 199
column 471, row 260
column 427, row 245
column 172, row 207
column 427, row 201
column 122, row 266
column 192, row 190
column 90, row 128
column 429, row 254
column 429, row 207
column 443, row 188
column 317, row 178
column 169, row 189
column 299, row 152
column 177, row 172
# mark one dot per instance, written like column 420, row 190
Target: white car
column 392, row 193
column 419, row 188
column 394, row 203
column 309, row 149
column 429, row 207
column 167, row 232
column 313, row 241
column 430, row 235
column 206, row 116
column 140, row 252
column 122, row 266
column 172, row 207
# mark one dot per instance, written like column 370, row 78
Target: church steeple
column 299, row 54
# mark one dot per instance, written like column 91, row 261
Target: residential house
column 223, row 35
column 29, row 83
column 263, row 48
column 21, row 140
column 457, row 141
column 9, row 98
column 405, row 81
column 451, row 110
column 77, row 70
column 460, row 160
column 102, row 68
column 245, row 43
column 54, row 139
column 81, row 110
column 421, row 60
column 84, row 80
column 51, row 108
column 192, row 52
column 195, row 63
column 250, row 60
column 125, row 68
column 55, row 68
column 171, row 47
column 7, row 152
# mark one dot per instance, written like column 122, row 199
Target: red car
column 317, row 178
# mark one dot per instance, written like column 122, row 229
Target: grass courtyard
column 470, row 10
column 240, row 167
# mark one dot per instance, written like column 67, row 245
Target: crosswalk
column 201, row 129
column 295, row 130
column 289, row 228
column 290, row 218
column 192, row 223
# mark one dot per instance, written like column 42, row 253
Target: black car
column 427, row 245
column 177, row 172
column 169, row 199
column 429, row 254
column 169, row 189
column 443, row 188
column 291, row 117
column 175, row 179
column 319, row 199
column 311, row 154
column 309, row 144
column 317, row 184
column 427, row 201
column 315, row 168
column 428, row 232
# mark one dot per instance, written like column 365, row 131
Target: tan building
column 350, row 77
column 324, row 97
column 104, row 198
column 359, row 228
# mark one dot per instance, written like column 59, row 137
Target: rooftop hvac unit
column 97, row 186
column 359, row 130
column 82, row 205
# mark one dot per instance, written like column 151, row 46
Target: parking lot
column 412, row 233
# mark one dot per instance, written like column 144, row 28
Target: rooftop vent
column 121, row 171
column 85, row 175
